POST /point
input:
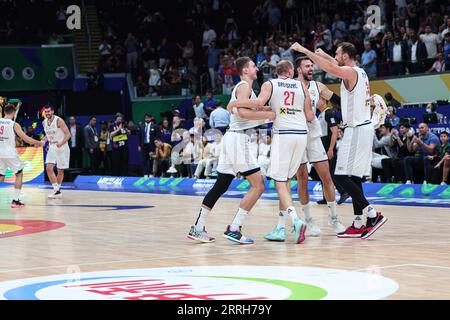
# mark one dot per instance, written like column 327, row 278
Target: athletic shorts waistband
column 290, row 131
column 359, row 125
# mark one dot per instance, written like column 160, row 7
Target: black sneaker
column 343, row 197
column 323, row 201
column 237, row 236
column 55, row 195
column 373, row 224
column 17, row 204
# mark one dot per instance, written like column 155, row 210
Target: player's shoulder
column 242, row 83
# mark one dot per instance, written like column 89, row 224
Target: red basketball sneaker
column 373, row 224
column 352, row 232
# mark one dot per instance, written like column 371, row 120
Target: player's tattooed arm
column 328, row 95
column 325, row 93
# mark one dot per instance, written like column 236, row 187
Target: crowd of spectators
column 192, row 48
column 404, row 156
column 216, row 32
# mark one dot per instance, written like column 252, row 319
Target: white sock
column 357, row 222
column 292, row 213
column 238, row 220
column 281, row 219
column 16, row 194
column 55, row 187
column 306, row 210
column 332, row 207
column 200, row 223
column 370, row 211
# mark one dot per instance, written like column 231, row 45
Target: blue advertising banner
column 381, row 193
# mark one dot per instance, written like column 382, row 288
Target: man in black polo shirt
column 329, row 124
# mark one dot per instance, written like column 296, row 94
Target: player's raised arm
column 325, row 55
column 342, row 72
column 18, row 130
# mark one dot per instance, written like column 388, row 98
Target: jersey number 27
column 289, row 97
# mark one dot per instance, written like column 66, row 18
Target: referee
column 329, row 124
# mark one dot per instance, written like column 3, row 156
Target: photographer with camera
column 423, row 145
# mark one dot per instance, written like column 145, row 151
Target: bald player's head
column 285, row 68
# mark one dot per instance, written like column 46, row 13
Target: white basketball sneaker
column 312, row 229
column 55, row 195
column 337, row 226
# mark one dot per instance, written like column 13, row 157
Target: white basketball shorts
column 14, row 164
column 354, row 155
column 286, row 155
column 58, row 156
column 235, row 156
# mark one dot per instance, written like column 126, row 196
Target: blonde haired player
column 355, row 152
column 9, row 159
column 290, row 100
column 235, row 157
column 57, row 134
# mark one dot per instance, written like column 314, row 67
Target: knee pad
column 220, row 187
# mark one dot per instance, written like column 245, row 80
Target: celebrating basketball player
column 57, row 134
column 355, row 152
column 9, row 159
column 235, row 157
column 291, row 102
column 315, row 153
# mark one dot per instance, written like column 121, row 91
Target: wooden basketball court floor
column 412, row 248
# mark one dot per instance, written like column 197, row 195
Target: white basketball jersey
column 7, row 139
column 355, row 104
column 314, row 126
column 287, row 101
column 54, row 134
column 236, row 122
